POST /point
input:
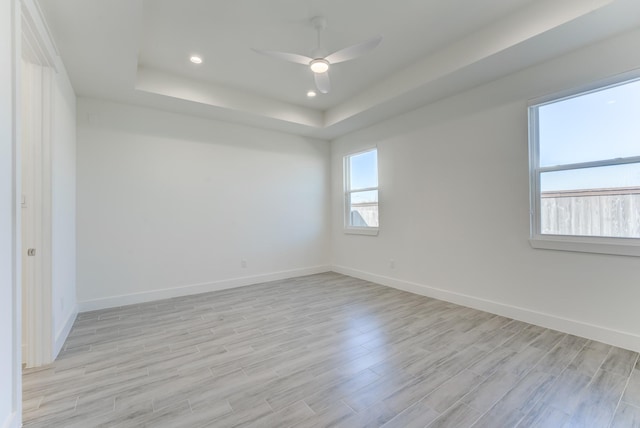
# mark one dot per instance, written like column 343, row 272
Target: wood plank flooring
column 326, row 351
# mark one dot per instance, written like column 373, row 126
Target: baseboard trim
column 590, row 331
column 167, row 293
column 12, row 421
column 63, row 333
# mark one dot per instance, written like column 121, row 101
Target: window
column 585, row 170
column 361, row 192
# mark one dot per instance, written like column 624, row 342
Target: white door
column 37, row 323
column 28, row 223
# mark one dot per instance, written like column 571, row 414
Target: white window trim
column 346, row 174
column 352, row 230
column 586, row 244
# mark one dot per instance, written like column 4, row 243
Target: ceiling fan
column 320, row 64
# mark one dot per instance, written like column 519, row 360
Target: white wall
column 454, row 210
column 9, row 352
column 170, row 204
column 63, row 154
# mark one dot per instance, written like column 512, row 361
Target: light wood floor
column 322, row 351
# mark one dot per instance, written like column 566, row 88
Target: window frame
column 589, row 244
column 347, row 191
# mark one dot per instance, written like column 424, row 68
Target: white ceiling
column 138, row 52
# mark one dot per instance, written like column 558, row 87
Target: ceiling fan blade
column 353, row 51
column 322, row 82
column 290, row 57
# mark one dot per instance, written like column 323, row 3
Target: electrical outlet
column 243, row 263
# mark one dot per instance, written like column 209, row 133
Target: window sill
column 371, row 231
column 614, row 246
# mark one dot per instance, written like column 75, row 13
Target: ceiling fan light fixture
column 319, row 65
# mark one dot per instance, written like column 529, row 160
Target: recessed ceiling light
column 311, row 94
column 195, row 59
